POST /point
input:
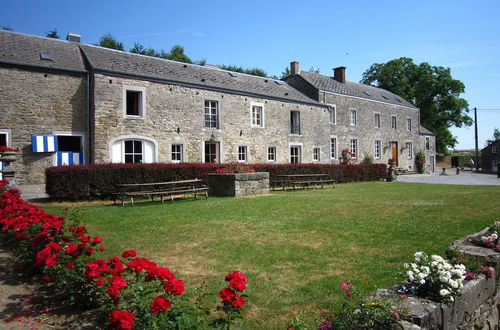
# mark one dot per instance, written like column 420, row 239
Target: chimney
column 339, row 74
column 294, row 67
column 73, row 37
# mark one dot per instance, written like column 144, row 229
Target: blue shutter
column 69, row 158
column 43, row 143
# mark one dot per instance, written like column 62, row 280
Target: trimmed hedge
column 81, row 182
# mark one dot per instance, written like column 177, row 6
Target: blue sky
column 461, row 35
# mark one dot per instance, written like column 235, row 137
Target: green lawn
column 295, row 247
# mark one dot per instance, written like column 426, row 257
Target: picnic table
column 304, row 180
column 162, row 189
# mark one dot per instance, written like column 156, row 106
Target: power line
column 488, row 109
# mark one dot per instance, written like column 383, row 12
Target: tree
column 6, row 28
column 52, row 34
column 176, row 53
column 431, row 89
column 109, row 41
column 252, row 71
column 496, row 136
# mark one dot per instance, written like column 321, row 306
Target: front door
column 212, row 152
column 394, row 152
column 432, row 164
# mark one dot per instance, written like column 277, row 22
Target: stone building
column 64, row 102
column 490, row 157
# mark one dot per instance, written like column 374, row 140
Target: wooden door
column 394, row 153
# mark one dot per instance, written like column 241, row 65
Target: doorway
column 212, row 152
column 394, row 153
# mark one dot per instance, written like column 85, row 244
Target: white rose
column 444, row 292
column 454, row 284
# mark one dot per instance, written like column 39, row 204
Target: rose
column 175, row 287
column 121, row 319
column 129, row 254
column 159, row 304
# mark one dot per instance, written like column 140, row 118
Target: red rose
column 237, row 284
column 97, row 240
column 71, row 249
column 118, row 281
column 121, row 320
column 159, row 304
column 70, row 265
column 227, row 294
column 175, row 287
column 163, row 273
column 129, row 254
column 101, row 248
column 237, row 301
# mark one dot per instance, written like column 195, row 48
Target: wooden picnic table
column 305, row 180
column 169, row 188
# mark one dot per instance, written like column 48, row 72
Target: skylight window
column 366, row 93
column 46, row 56
column 232, row 74
column 384, row 97
column 279, row 82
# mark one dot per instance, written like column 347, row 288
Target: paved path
column 464, row 178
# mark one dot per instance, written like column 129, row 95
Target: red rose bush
column 127, row 291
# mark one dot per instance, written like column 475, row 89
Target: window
column 69, row 149
column 377, row 120
column 316, row 154
column 494, row 149
column 427, row 143
column 408, row 124
column 133, row 149
column 354, row 147
column 212, row 150
column 134, row 101
column 333, row 148
column 295, row 155
column 257, row 116
column 211, row 114
column 271, row 154
column 332, row 109
column 69, row 143
column 295, row 122
column 394, row 122
column 409, row 147
column 242, row 154
column 3, row 139
column 378, row 145
column 354, row 118
column 177, row 153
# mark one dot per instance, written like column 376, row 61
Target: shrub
column 98, row 181
column 420, row 161
column 367, row 160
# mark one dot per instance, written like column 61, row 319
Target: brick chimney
column 339, row 74
column 73, row 37
column 294, row 67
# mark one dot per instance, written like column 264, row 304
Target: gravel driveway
column 464, row 178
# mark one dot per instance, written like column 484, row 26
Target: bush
column 462, row 161
column 81, row 182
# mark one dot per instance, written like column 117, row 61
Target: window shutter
column 69, row 158
column 116, row 152
column 43, row 143
column 149, row 152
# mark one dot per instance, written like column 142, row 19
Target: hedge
column 84, row 182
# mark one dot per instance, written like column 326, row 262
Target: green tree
column 252, row 71
column 109, row 41
column 286, row 72
column 430, row 88
column 6, row 28
column 52, row 34
column 176, row 53
column 496, row 136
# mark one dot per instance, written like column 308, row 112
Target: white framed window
column 271, row 154
column 408, row 124
column 242, row 154
column 134, row 102
column 377, row 120
column 316, row 154
column 211, row 114
column 494, row 149
column 333, row 147
column 257, row 115
column 394, row 122
column 409, row 148
column 295, row 122
column 353, row 146
column 427, row 143
column 332, row 109
column 378, row 146
column 4, row 138
column 177, row 153
column 354, row 117
column 295, row 154
column 70, row 148
column 133, row 149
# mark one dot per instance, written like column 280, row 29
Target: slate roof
column 16, row 48
column 329, row 84
column 118, row 62
column 425, row 131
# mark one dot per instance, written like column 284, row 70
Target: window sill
column 133, row 117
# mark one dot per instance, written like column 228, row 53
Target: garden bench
column 162, row 189
column 304, row 180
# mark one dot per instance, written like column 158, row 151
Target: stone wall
column 238, row 184
column 39, row 103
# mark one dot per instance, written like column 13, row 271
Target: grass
column 295, row 247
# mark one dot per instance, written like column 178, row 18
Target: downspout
column 90, row 110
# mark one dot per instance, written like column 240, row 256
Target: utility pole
column 475, row 131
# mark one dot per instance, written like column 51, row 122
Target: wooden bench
column 304, row 180
column 162, row 189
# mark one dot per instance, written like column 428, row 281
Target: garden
column 289, row 259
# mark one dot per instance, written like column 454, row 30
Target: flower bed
column 126, row 291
